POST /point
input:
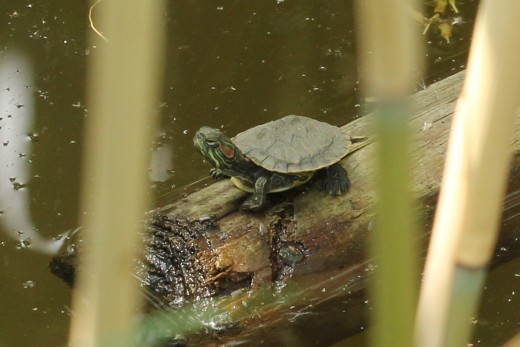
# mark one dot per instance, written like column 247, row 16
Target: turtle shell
column 293, row 144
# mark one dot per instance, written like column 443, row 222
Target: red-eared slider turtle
column 277, row 156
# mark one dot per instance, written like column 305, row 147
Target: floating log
column 306, row 231
column 203, row 246
column 315, row 240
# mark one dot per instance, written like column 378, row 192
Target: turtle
column 277, row 156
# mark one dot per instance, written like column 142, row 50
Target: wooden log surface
column 329, row 231
column 302, row 262
column 314, row 240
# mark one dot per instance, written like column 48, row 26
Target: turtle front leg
column 336, row 182
column 216, row 174
column 258, row 198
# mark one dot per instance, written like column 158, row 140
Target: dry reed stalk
column 466, row 223
column 123, row 87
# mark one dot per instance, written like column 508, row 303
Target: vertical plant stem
column 123, row 85
column 466, row 223
column 389, row 64
column 393, row 244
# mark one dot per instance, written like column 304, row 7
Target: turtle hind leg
column 336, row 180
column 258, row 198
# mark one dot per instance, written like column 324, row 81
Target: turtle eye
column 228, row 152
column 211, row 143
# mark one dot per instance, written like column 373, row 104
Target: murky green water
column 230, row 64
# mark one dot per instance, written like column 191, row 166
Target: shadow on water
column 230, row 65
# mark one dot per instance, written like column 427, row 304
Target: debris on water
column 28, row 284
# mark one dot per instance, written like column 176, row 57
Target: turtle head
column 220, row 152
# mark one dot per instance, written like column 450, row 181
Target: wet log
column 305, row 231
column 300, row 265
column 314, row 241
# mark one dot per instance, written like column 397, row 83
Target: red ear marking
column 228, row 152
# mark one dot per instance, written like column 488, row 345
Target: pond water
column 230, row 64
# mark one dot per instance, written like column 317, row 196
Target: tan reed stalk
column 513, row 342
column 389, row 46
column 123, row 84
column 468, row 214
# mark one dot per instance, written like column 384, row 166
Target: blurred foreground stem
column 123, row 84
column 389, row 62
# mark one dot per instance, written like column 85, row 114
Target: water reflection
column 17, row 107
column 161, row 165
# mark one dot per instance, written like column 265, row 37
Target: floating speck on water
column 18, row 186
column 220, row 8
column 28, row 284
column 24, row 244
column 185, row 131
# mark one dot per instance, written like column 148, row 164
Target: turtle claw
column 336, row 182
column 253, row 203
column 216, row 174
